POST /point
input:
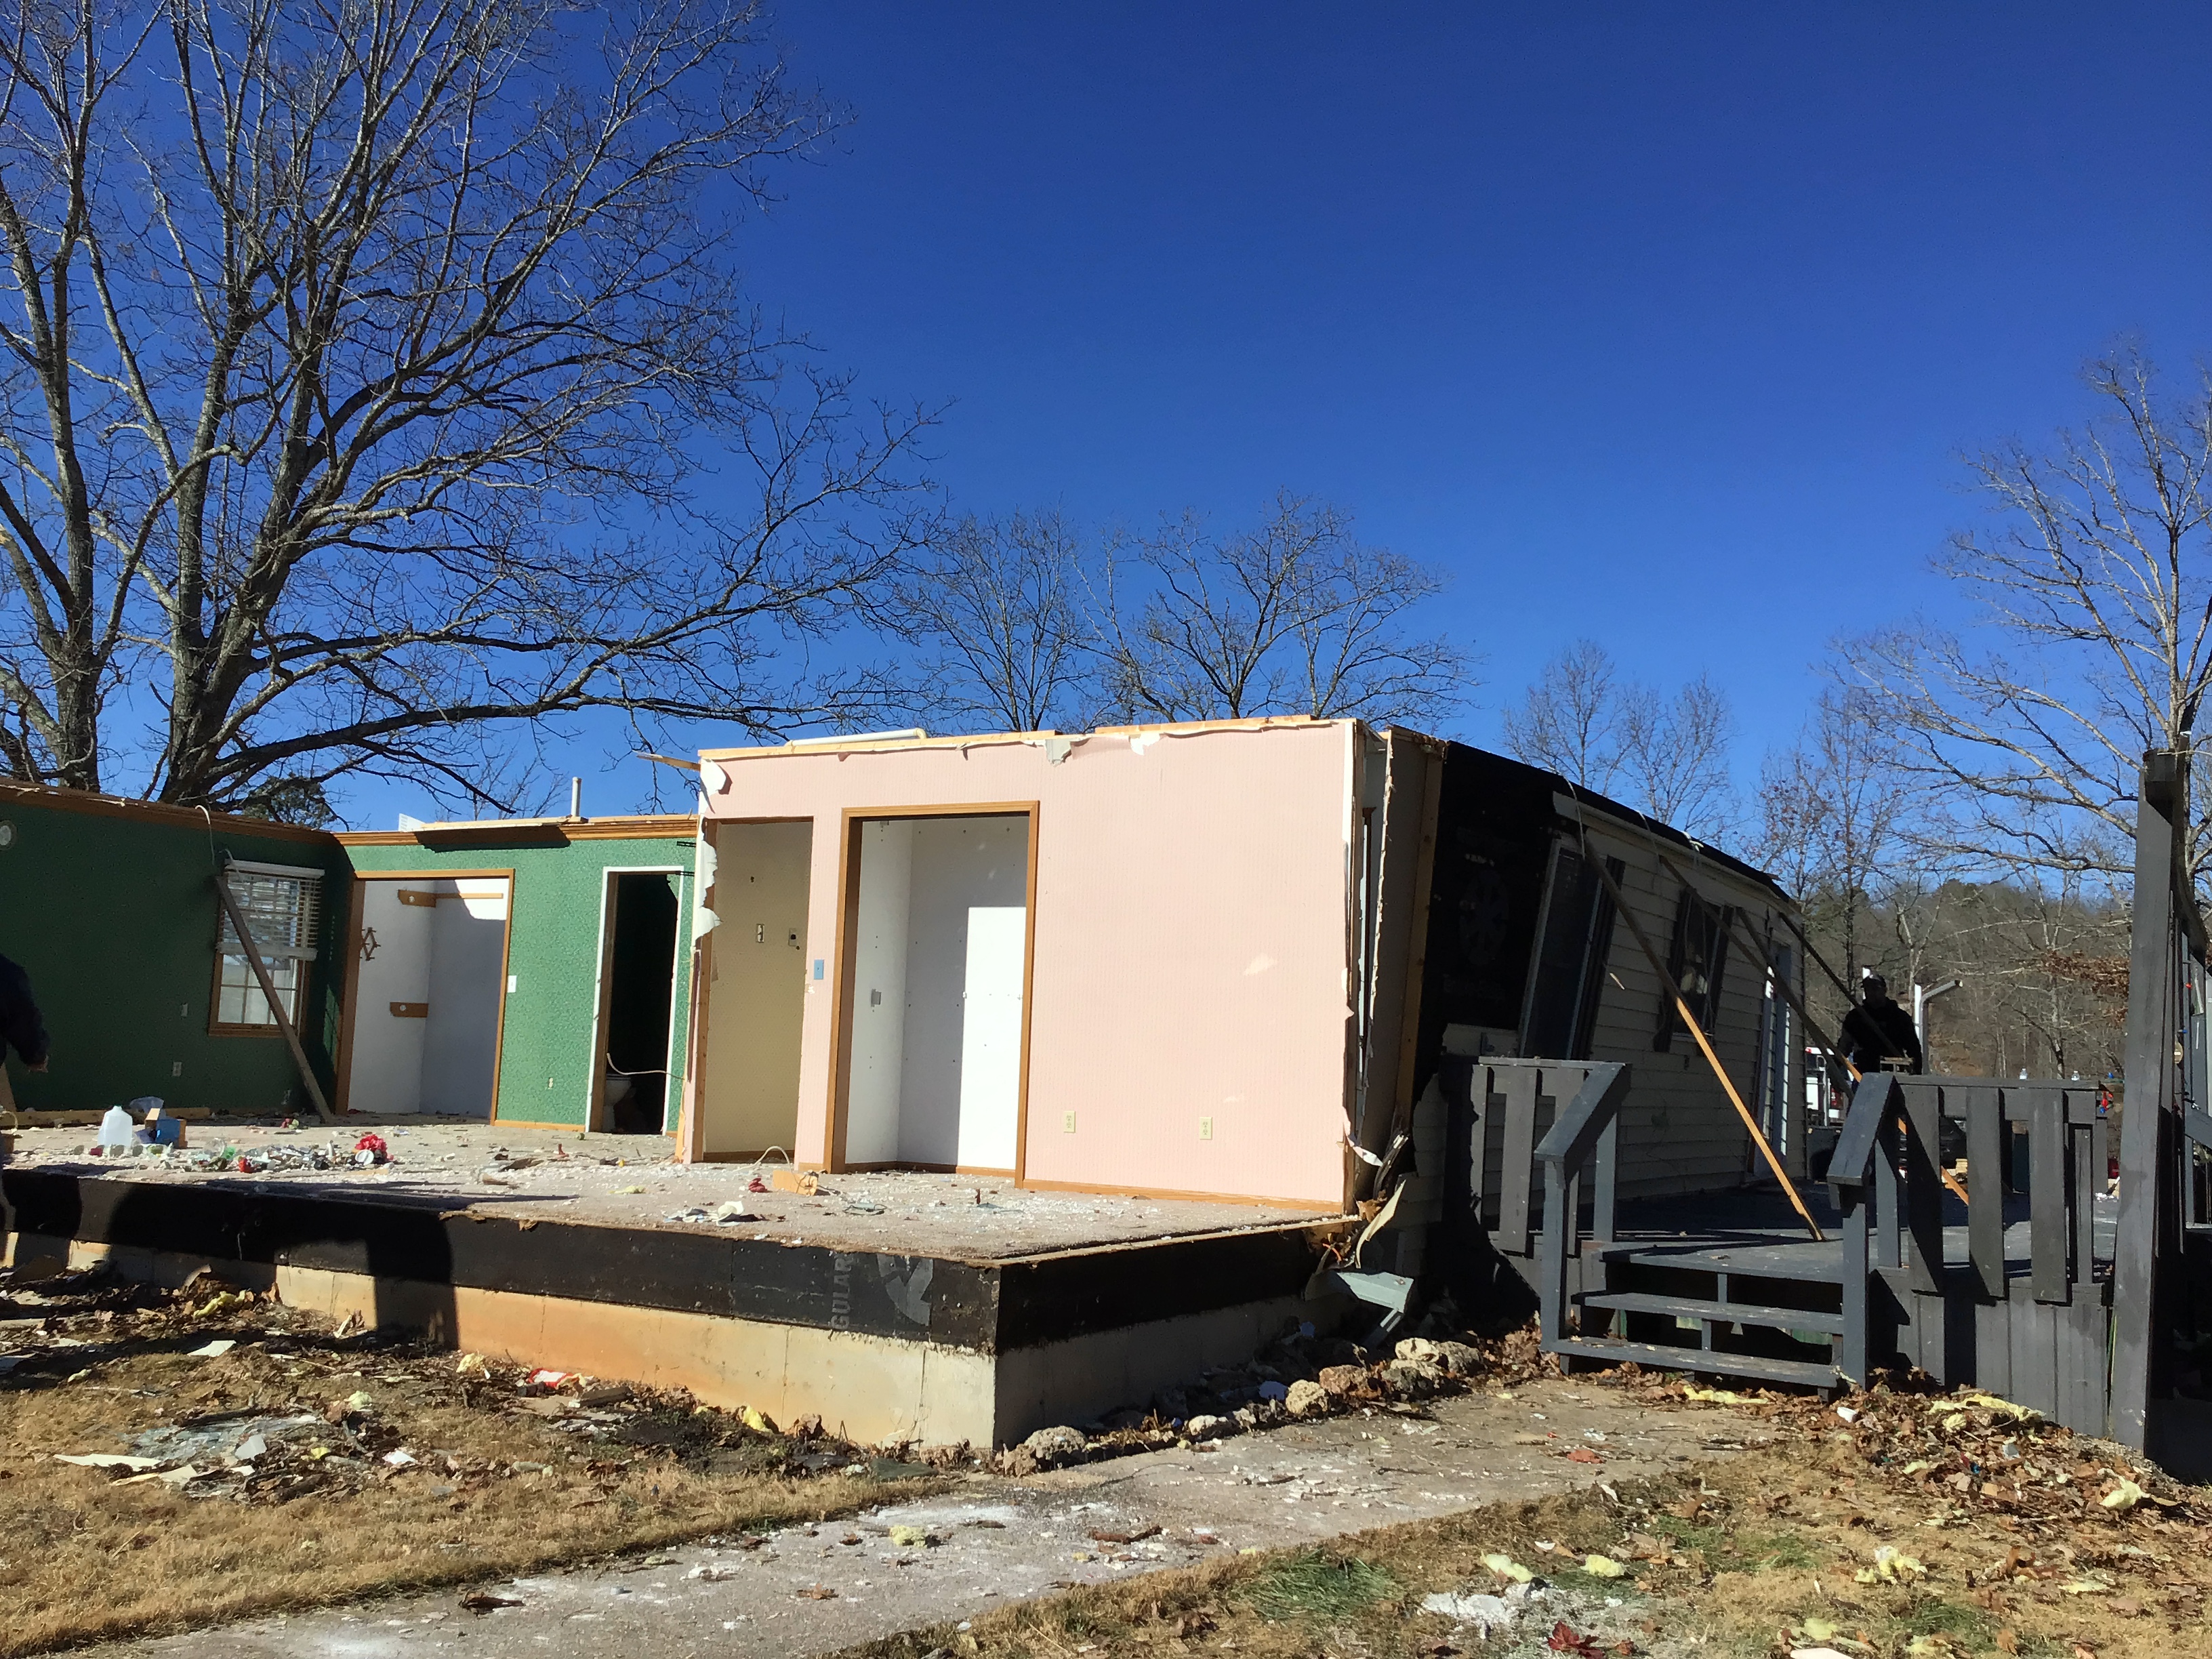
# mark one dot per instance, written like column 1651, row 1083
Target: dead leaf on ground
column 819, row 1593
column 486, row 1601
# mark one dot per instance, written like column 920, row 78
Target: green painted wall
column 112, row 911
column 553, row 956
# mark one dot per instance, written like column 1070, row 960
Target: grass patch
column 1319, row 1586
column 1968, row 1627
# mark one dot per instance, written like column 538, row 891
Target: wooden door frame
column 610, row 919
column 836, row 1108
column 356, row 902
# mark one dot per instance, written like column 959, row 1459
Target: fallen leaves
column 483, row 1602
column 1564, row 1638
column 1891, row 1566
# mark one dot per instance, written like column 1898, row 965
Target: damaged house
column 1227, row 976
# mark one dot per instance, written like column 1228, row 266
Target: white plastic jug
column 116, row 1129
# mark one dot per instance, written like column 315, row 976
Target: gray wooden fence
column 2022, row 1311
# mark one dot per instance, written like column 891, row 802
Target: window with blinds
column 283, row 907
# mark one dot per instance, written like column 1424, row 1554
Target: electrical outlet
column 1067, row 1123
column 176, row 1068
column 1206, row 1128
column 513, row 983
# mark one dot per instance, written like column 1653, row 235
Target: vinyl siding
column 1678, row 1133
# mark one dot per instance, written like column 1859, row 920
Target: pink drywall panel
column 1191, row 944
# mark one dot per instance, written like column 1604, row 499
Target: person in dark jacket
column 1878, row 1034
column 21, row 1027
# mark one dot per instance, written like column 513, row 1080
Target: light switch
column 513, row 983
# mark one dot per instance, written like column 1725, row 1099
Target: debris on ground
column 181, row 1430
column 1304, row 1376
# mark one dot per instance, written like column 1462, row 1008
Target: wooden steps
column 1704, row 1362
column 1718, row 1313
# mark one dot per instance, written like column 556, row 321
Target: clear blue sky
column 1660, row 325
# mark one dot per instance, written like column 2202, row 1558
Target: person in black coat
column 21, row 1027
column 1878, row 1032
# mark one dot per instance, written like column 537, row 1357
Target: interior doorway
column 429, row 995
column 637, row 988
column 755, row 966
column 936, row 969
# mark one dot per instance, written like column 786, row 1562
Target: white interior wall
column 879, row 991
column 959, row 1093
column 451, row 956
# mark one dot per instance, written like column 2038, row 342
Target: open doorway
column 637, row 985
column 936, row 964
column 428, row 996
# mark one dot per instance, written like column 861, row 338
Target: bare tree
column 1669, row 755
column 1571, row 720
column 2095, row 590
column 348, row 408
column 1832, row 809
column 1677, row 755
column 1001, row 620
column 1291, row 617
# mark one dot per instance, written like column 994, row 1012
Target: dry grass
column 89, row 1555
column 1743, row 1559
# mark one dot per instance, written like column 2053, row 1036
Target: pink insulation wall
column 1192, row 940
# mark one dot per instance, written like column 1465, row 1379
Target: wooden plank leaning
column 1682, row 1007
column 247, row 943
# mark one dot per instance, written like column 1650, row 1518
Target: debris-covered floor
column 631, row 1181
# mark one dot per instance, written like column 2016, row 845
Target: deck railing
column 1581, row 1145
column 2037, row 1136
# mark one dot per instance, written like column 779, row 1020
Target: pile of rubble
column 1303, row 1375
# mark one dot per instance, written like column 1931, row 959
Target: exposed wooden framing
column 1416, row 955
column 246, row 942
column 1697, row 1031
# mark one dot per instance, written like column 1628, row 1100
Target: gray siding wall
column 1678, row 1133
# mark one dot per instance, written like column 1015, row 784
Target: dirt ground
column 1917, row 1527
column 240, row 1456
column 632, row 1180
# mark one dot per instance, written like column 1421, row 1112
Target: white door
column 393, row 997
column 460, row 1037
column 991, row 1037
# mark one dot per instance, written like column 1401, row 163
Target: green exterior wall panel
column 113, row 912
column 546, row 1049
